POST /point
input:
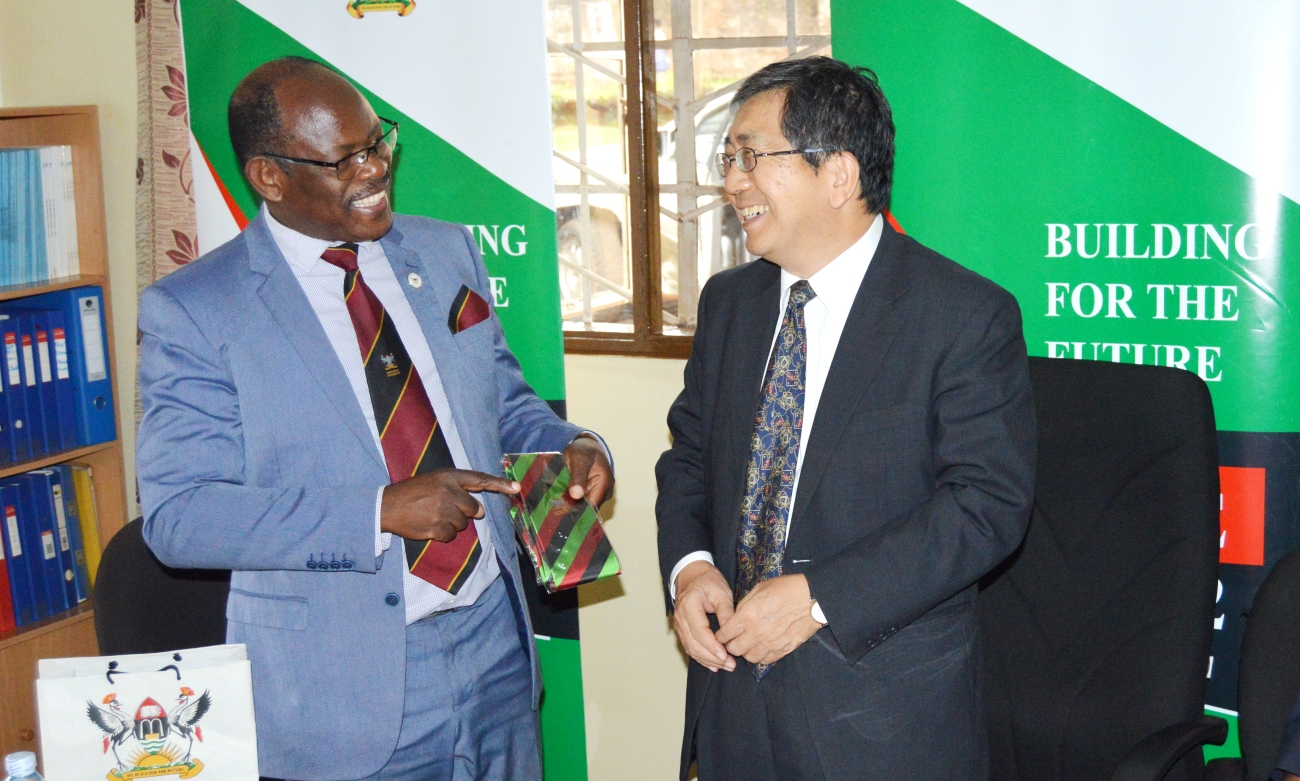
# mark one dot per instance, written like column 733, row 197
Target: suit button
column 392, row 599
column 311, row 564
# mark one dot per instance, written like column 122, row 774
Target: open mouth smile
column 371, row 201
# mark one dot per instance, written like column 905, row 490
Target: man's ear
column 267, row 178
column 842, row 171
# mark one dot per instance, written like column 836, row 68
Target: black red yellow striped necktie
column 408, row 428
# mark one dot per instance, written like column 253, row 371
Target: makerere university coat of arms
column 153, row 743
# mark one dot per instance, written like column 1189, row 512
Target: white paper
column 93, row 337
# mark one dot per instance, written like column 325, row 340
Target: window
column 641, row 218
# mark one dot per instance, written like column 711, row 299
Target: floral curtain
column 166, row 236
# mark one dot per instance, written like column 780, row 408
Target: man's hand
column 771, row 621
column 701, row 590
column 437, row 505
column 590, row 473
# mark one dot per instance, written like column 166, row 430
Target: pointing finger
column 481, row 481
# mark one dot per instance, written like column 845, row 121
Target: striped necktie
column 408, row 428
column 774, row 454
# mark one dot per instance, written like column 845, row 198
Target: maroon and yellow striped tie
column 408, row 429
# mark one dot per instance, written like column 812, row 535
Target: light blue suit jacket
column 254, row 456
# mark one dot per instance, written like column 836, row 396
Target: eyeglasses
column 348, row 167
column 746, row 159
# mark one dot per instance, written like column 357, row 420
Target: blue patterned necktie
column 774, row 454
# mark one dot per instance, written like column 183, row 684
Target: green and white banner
column 468, row 83
column 1130, row 170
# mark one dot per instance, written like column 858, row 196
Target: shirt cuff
column 383, row 540
column 690, row 558
column 818, row 615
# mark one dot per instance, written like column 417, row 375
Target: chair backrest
column 1268, row 680
column 1096, row 632
column 143, row 606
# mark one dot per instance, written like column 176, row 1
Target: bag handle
column 112, row 669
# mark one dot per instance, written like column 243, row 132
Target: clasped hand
column 438, row 505
column 769, row 623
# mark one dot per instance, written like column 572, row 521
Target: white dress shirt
column 323, row 284
column 836, row 286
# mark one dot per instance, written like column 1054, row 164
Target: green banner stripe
column 997, row 141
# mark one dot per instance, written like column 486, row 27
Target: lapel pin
column 414, row 280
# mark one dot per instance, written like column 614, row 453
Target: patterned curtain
column 166, row 236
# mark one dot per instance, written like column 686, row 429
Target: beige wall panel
column 633, row 675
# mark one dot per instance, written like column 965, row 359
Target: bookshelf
column 71, row 633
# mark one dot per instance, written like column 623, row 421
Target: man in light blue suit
column 326, row 401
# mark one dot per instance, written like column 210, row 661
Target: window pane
column 587, row 67
column 737, row 18
column 711, row 46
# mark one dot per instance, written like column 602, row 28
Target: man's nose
column 736, row 181
column 374, row 166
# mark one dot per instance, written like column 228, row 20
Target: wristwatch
column 815, row 609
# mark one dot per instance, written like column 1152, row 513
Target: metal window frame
column 642, row 102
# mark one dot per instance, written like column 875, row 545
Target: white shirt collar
column 300, row 250
column 837, row 283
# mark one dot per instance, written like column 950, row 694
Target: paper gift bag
column 563, row 536
column 187, row 714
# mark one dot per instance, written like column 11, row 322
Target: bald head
column 256, row 115
column 293, row 124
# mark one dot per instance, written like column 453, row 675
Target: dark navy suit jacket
column 917, row 480
column 1288, row 759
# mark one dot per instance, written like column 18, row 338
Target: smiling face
column 325, row 119
column 792, row 214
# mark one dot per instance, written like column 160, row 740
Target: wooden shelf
column 71, row 633
column 82, row 612
column 19, row 467
column 9, row 292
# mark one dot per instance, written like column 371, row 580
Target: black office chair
column 143, row 606
column 1268, row 679
column 1096, row 632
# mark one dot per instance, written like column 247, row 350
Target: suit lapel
column 868, row 334
column 748, row 340
column 288, row 304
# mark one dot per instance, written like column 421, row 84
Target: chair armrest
column 1156, row 755
column 1225, row 769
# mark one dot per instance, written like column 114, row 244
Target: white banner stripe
column 1225, row 76
column 473, row 73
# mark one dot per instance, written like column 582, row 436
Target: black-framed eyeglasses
column 746, row 159
column 348, row 166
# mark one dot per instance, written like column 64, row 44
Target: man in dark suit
column 326, row 401
column 852, row 451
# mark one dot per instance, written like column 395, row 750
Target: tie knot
column 344, row 256
column 801, row 292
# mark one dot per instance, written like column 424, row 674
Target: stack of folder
column 55, row 389
column 38, row 215
column 50, row 531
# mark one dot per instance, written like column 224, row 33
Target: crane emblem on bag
column 153, row 743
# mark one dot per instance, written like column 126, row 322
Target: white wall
column 80, row 52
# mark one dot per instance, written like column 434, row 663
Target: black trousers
column 752, row 730
column 910, row 709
